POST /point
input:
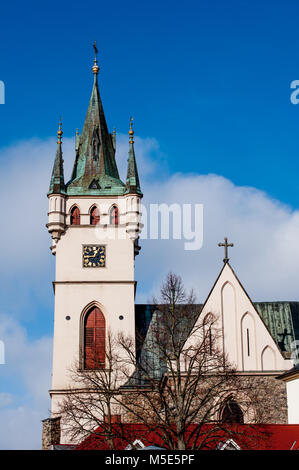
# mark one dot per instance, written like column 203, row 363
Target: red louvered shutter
column 94, row 339
column 94, row 216
column 75, row 216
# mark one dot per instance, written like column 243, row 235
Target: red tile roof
column 247, row 437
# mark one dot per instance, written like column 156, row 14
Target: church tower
column 94, row 221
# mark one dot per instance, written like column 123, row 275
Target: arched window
column 232, row 412
column 94, row 216
column 114, row 215
column 75, row 216
column 94, row 339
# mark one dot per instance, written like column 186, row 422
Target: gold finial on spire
column 59, row 132
column 131, row 132
column 95, row 68
column 77, row 131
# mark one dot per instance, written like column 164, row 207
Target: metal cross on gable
column 226, row 245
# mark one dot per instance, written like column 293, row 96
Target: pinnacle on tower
column 132, row 182
column 57, row 185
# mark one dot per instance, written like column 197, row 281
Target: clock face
column 94, row 256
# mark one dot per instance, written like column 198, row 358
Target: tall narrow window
column 94, row 216
column 75, row 216
column 114, row 215
column 248, row 348
column 94, row 339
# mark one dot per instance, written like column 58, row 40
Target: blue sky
column 210, row 80
column 208, row 83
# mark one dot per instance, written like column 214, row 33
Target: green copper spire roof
column 57, row 185
column 95, row 170
column 132, row 183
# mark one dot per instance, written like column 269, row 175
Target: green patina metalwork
column 151, row 362
column 57, row 185
column 132, row 182
column 282, row 320
column 95, row 171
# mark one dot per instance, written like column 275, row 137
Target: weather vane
column 131, row 132
column 59, row 132
column 95, row 48
column 95, row 67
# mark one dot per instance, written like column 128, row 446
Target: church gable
column 246, row 338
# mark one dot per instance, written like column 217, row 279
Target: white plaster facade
column 293, row 400
column 112, row 288
column 291, row 379
column 245, row 338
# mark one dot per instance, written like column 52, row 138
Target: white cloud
column 21, row 428
column 148, row 154
column 26, row 373
column 264, row 231
column 6, row 399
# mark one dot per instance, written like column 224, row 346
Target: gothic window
column 94, row 339
column 114, row 215
column 94, row 216
column 232, row 412
column 75, row 216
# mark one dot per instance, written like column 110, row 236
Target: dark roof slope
column 282, row 320
column 150, row 359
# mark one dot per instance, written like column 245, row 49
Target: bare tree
column 184, row 389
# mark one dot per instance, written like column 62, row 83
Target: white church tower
column 94, row 224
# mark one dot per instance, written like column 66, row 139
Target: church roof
column 246, row 436
column 282, row 320
column 147, row 321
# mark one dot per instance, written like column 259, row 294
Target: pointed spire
column 57, row 185
column 95, row 150
column 132, row 183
